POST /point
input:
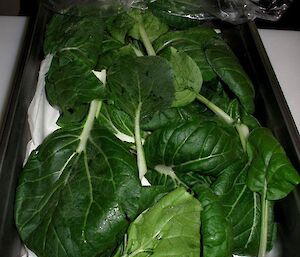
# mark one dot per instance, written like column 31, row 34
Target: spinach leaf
column 215, row 230
column 270, row 169
column 203, row 147
column 188, row 78
column 78, row 192
column 75, row 37
column 169, row 228
column 226, row 65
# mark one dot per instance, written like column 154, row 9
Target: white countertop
column 12, row 31
column 283, row 49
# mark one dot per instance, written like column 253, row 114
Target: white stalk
column 93, row 112
column 141, row 160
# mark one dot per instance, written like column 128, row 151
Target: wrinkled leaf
column 204, row 147
column 150, row 84
column 227, row 66
column 75, row 37
column 270, row 168
column 169, row 228
column 75, row 199
column 70, row 86
column 215, row 230
column 187, row 75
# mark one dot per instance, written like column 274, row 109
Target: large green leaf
column 192, row 42
column 70, row 86
column 227, row 66
column 243, row 210
column 78, row 192
column 141, row 82
column 215, row 230
column 76, row 37
column 270, row 170
column 188, row 78
column 191, row 112
column 203, row 147
column 169, row 228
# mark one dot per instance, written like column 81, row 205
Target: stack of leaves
column 173, row 109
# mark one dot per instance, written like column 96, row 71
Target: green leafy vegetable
column 169, row 228
column 150, row 88
column 204, row 147
column 78, row 192
column 228, row 68
column 188, row 78
column 75, row 37
column 215, row 230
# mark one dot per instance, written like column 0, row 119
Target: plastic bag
column 233, row 11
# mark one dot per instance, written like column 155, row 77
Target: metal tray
column 271, row 110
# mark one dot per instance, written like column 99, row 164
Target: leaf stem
column 264, row 224
column 141, row 160
column 88, row 125
column 241, row 128
column 146, row 41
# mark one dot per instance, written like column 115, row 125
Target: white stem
column 264, row 224
column 93, row 113
column 141, row 160
column 218, row 111
column 146, row 41
column 242, row 129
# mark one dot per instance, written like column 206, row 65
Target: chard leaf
column 270, row 169
column 149, row 85
column 71, row 86
column 226, row 65
column 117, row 121
column 215, row 230
column 151, row 24
column 175, row 115
column 243, row 210
column 204, row 147
column 78, row 192
column 188, row 78
column 169, row 228
column 192, row 42
column 75, row 37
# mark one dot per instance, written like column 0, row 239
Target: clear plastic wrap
column 233, row 11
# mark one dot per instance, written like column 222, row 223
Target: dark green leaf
column 270, row 168
column 215, row 230
column 228, row 68
column 150, row 84
column 77, row 201
column 203, row 147
column 169, row 228
column 72, row 85
column 76, row 37
column 188, row 78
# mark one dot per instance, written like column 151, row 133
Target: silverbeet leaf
column 270, row 169
column 203, row 147
column 141, row 82
column 77, row 194
column 168, row 228
column 216, row 231
column 71, row 86
column 227, row 66
column 75, row 37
